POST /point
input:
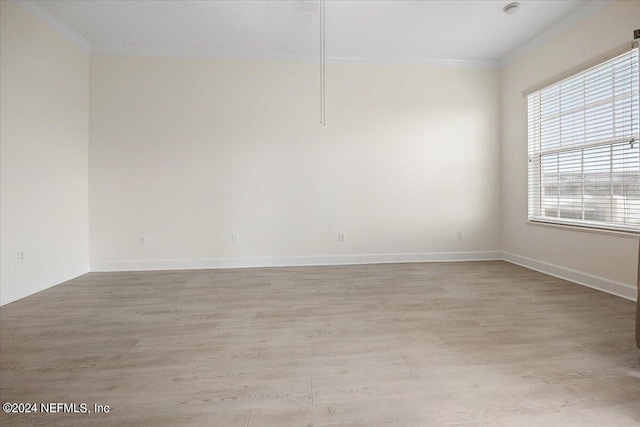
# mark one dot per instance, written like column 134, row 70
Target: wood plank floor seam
column 436, row 344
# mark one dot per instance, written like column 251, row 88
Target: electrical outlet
column 235, row 238
column 459, row 234
column 20, row 256
column 143, row 241
column 341, row 237
column 636, row 34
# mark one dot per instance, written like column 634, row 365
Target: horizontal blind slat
column 584, row 153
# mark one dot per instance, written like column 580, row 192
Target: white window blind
column 584, row 148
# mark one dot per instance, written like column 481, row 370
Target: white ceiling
column 468, row 32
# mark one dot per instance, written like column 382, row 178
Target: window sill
column 627, row 234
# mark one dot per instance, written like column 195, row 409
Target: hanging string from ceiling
column 322, row 65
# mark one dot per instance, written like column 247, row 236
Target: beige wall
column 188, row 151
column 611, row 258
column 44, row 97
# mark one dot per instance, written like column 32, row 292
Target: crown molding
column 182, row 52
column 32, row 7
column 575, row 18
column 434, row 62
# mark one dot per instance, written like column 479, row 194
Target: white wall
column 609, row 262
column 44, row 99
column 188, row 151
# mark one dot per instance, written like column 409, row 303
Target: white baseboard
column 33, row 288
column 292, row 261
column 605, row 285
column 600, row 283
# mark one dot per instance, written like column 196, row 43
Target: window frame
column 535, row 182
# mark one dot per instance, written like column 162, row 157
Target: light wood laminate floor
column 437, row 344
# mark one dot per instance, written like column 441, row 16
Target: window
column 584, row 152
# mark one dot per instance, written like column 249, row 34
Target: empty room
column 319, row 213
